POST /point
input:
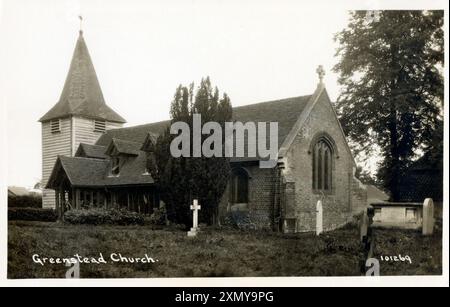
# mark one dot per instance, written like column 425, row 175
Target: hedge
column 32, row 214
column 97, row 216
column 25, row 201
column 158, row 217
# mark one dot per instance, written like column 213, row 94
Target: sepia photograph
column 215, row 140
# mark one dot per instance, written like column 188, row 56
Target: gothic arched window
column 322, row 165
column 239, row 186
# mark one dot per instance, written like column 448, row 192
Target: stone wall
column 261, row 194
column 338, row 204
column 297, row 198
column 359, row 196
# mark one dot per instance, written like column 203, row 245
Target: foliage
column 185, row 178
column 25, row 201
column 214, row 252
column 434, row 147
column 97, row 216
column 32, row 214
column 425, row 251
column 365, row 177
column 158, row 217
column 391, row 74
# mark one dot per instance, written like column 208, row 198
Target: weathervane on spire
column 81, row 23
column 321, row 72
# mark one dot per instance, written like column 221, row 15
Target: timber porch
column 137, row 199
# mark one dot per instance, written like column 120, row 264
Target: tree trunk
column 394, row 167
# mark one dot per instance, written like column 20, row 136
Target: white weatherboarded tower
column 80, row 116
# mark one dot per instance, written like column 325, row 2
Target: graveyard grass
column 213, row 253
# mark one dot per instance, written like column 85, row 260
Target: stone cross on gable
column 194, row 207
column 321, row 72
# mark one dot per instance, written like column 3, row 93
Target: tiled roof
column 82, row 94
column 131, row 173
column 91, row 151
column 81, row 171
column 95, row 172
column 125, row 147
column 18, row 191
column 91, row 172
column 374, row 194
column 284, row 111
column 134, row 134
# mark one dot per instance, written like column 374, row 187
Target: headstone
column 319, row 218
column 428, row 217
column 365, row 234
column 194, row 207
column 364, row 226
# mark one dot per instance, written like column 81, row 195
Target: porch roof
column 90, row 172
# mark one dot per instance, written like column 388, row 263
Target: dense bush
column 103, row 217
column 25, row 201
column 158, row 217
column 32, row 214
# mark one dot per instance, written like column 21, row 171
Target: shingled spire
column 82, row 94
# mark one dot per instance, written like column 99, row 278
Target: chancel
column 90, row 160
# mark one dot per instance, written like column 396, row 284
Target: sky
column 142, row 50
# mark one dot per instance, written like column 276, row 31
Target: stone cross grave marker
column 194, row 207
column 428, row 217
column 319, row 218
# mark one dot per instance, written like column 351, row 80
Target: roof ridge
column 122, row 140
column 272, row 101
column 140, row 125
column 84, row 158
column 81, row 143
column 285, row 111
column 237, row 107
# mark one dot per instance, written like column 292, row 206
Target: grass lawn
column 214, row 252
column 425, row 252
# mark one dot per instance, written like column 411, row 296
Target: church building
column 90, row 160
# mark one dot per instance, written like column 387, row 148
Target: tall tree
column 392, row 87
column 184, row 178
